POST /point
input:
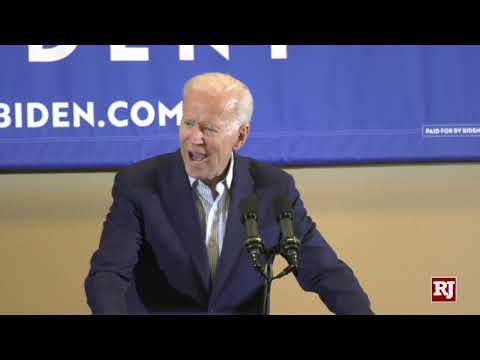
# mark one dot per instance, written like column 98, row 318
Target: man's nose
column 196, row 135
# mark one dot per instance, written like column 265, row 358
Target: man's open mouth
column 196, row 157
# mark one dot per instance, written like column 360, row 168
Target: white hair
column 223, row 84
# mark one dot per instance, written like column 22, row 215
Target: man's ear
column 242, row 136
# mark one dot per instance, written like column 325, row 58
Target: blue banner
column 106, row 106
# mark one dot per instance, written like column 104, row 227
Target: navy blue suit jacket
column 152, row 256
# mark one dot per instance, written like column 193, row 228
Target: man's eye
column 211, row 130
column 188, row 123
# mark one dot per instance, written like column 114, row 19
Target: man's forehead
column 197, row 101
column 211, row 96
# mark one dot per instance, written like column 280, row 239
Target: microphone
column 289, row 244
column 253, row 243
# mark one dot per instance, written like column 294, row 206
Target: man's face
column 208, row 135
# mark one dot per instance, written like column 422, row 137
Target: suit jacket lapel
column 180, row 207
column 242, row 186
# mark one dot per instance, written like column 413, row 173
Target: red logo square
column 444, row 289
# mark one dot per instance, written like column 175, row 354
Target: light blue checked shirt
column 212, row 206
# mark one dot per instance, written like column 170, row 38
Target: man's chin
column 194, row 172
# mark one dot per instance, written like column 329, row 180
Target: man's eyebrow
column 209, row 124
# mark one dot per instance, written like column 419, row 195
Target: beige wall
column 396, row 226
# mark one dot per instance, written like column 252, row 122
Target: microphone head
column 248, row 206
column 283, row 205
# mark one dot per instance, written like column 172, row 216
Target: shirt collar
column 228, row 179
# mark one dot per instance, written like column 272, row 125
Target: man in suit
column 173, row 241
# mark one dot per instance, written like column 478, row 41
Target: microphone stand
column 268, row 283
column 268, row 275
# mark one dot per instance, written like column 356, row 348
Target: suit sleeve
column 320, row 270
column 113, row 263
